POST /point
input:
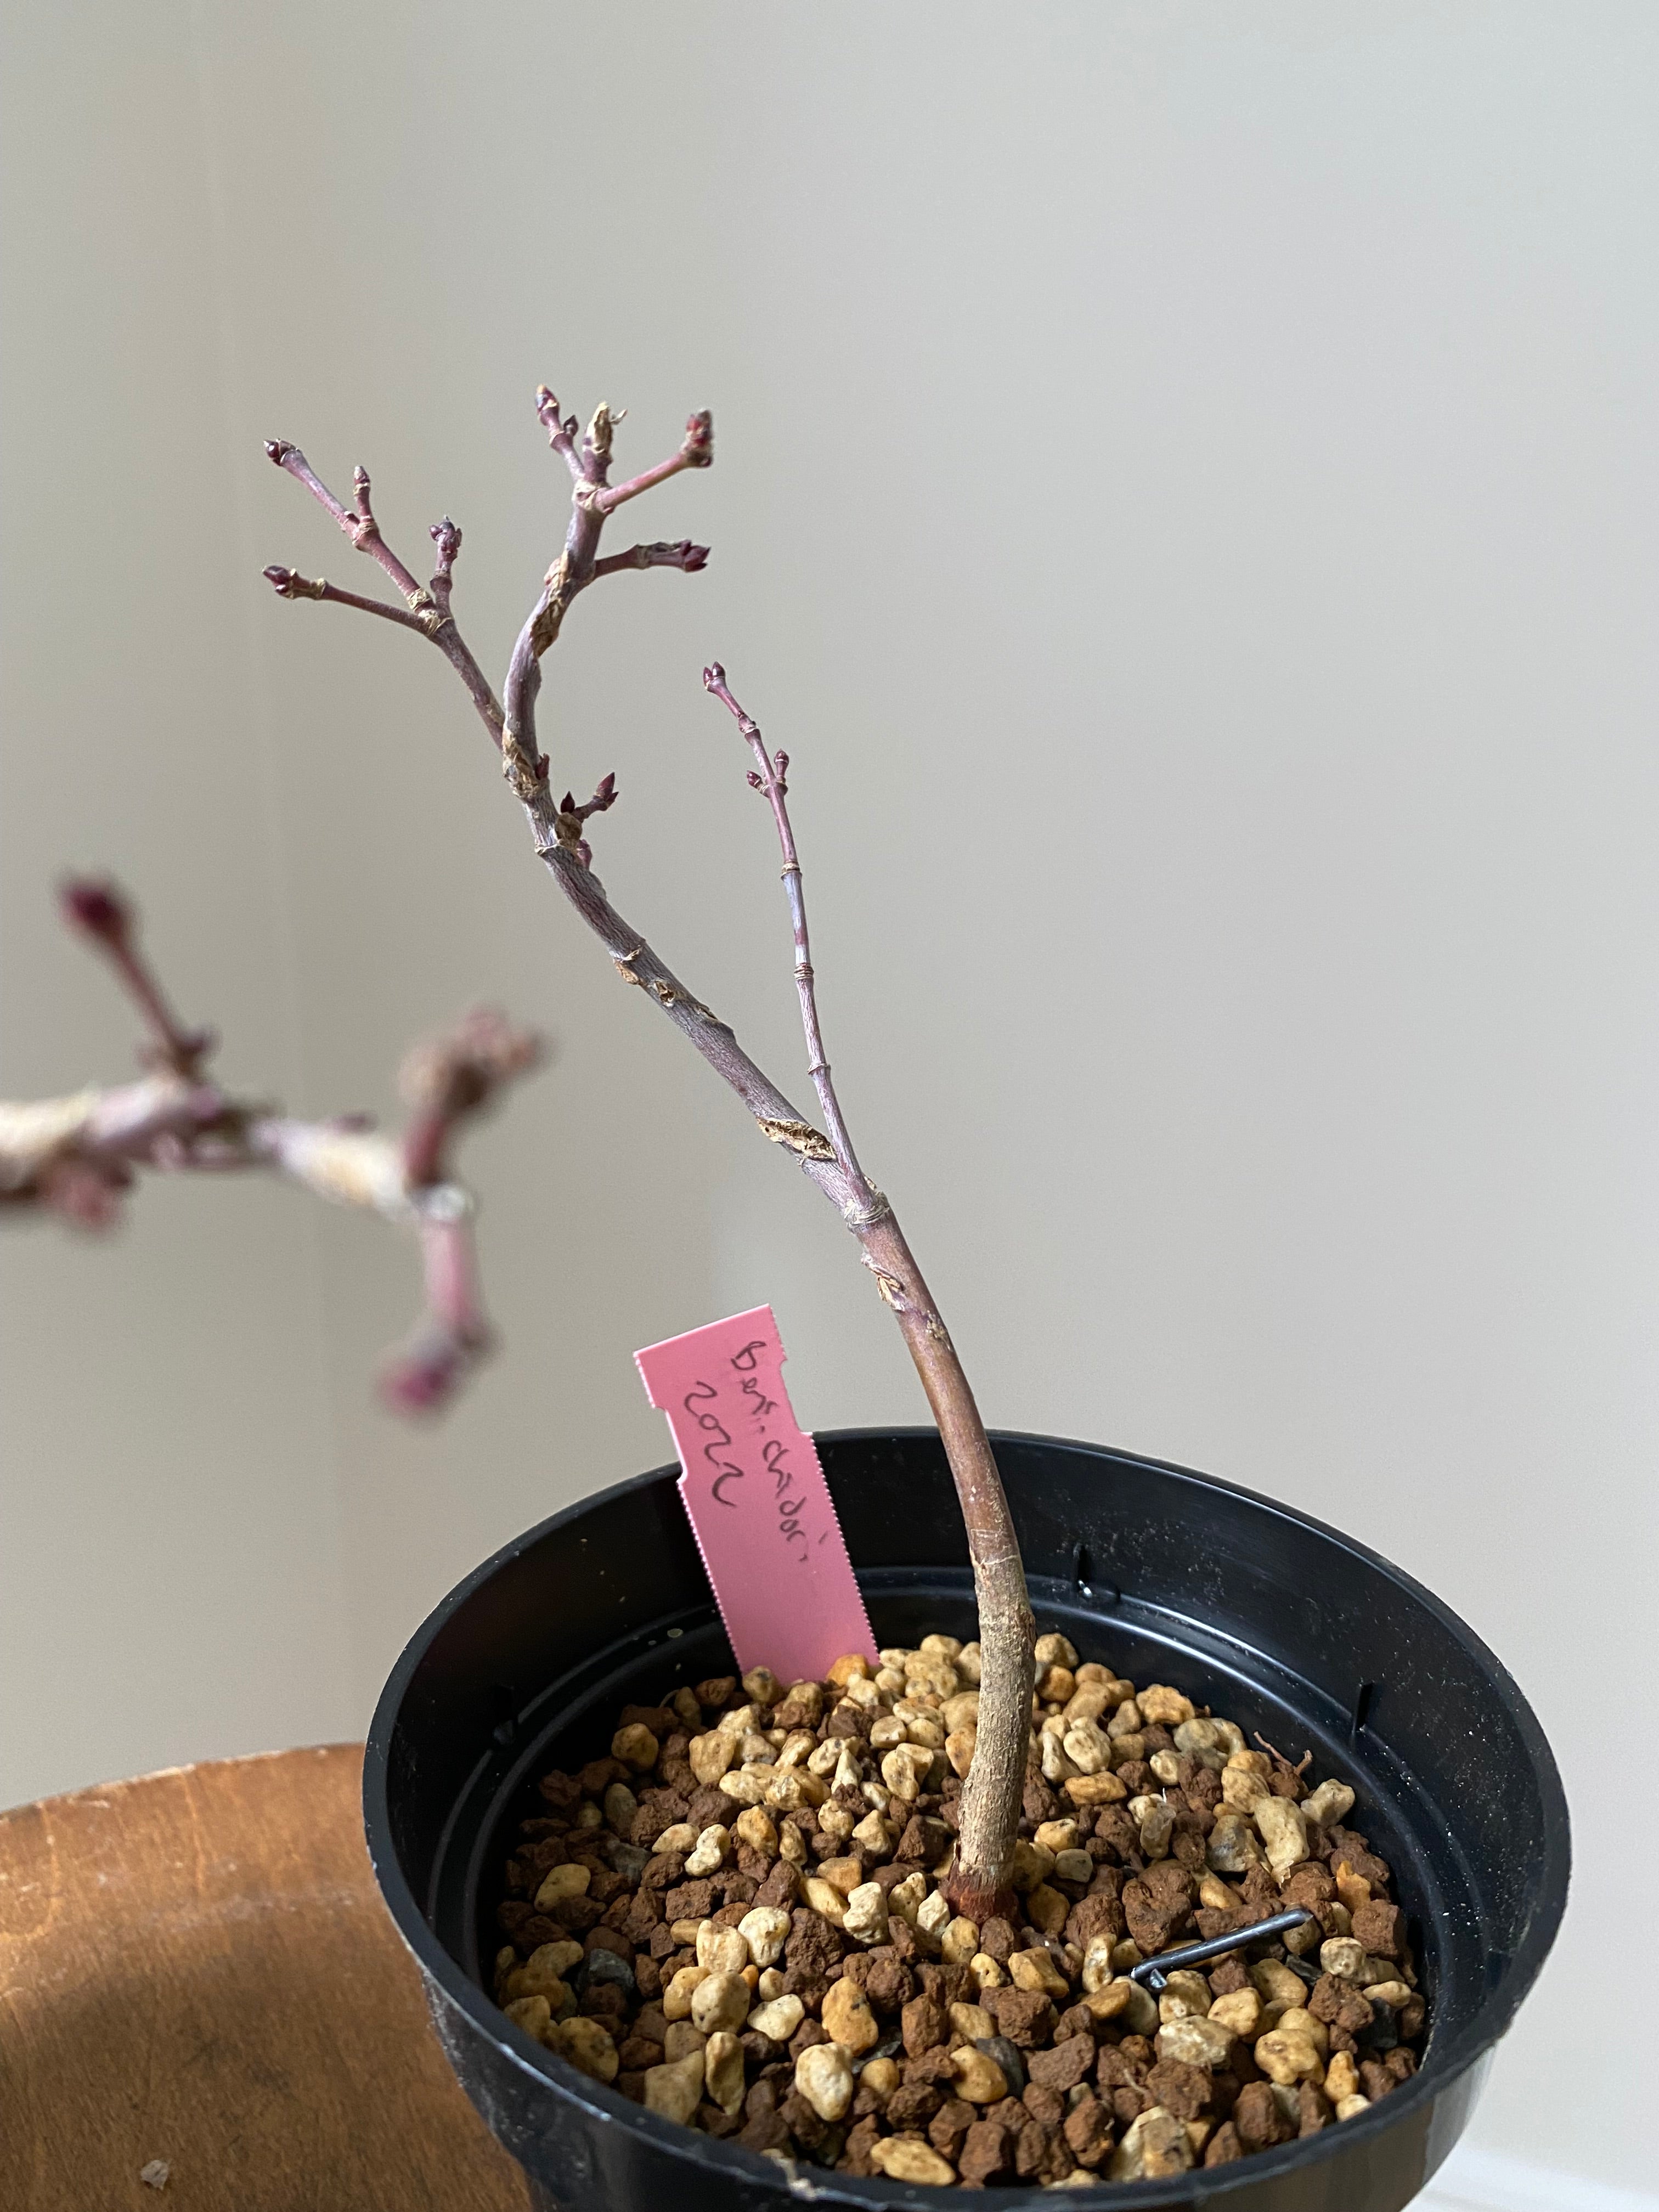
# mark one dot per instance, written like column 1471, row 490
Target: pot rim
column 1422, row 2091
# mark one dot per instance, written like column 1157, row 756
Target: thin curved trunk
column 992, row 1795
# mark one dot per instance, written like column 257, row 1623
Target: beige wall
column 1185, row 500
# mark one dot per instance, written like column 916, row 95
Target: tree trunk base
column 973, row 1898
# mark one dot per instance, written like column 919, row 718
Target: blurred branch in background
column 78, row 1157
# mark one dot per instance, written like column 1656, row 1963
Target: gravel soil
column 735, row 1918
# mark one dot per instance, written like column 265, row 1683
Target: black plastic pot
column 1280, row 1623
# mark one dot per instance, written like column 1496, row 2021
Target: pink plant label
column 757, row 1500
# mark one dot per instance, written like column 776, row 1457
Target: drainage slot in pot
column 1097, row 1590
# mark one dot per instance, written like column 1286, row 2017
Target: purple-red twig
column 77, row 1157
column 101, row 910
column 768, row 777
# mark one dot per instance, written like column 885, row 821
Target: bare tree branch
column 996, row 1777
column 560, row 432
column 77, row 1157
column 288, row 584
column 427, row 610
column 684, row 556
column 102, row 913
column 447, row 537
column 769, row 778
column 979, row 1882
column 697, row 451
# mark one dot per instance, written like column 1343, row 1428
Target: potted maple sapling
column 698, row 1935
column 76, row 1157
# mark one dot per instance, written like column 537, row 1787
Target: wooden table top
column 195, row 1967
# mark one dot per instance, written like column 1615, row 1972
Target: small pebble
column 1345, row 1959
column 907, row 1898
column 1331, row 1802
column 602, row 1965
column 1239, row 2013
column 824, row 1897
column 677, row 1998
column 1283, row 1832
column 1231, row 1847
column 958, row 1942
column 1288, row 2059
column 1200, row 1738
column 778, row 2018
column 904, row 1770
column 880, row 2076
column 961, row 1712
column 1243, row 1788
column 722, row 1950
column 1007, row 2057
column 1097, row 1968
column 531, row 2014
column 720, row 2001
column 585, row 2044
column 1140, row 2013
column 1197, row 2040
column 1155, row 2144
column 1162, row 1707
column 1088, row 1749
column 977, row 2076
column 1277, row 1984
column 708, row 1851
column 722, row 2070
column 1184, row 1995
column 795, row 1790
column 1036, row 1970
column 755, row 1826
column 847, row 2019
column 907, row 2158
column 1392, row 1993
column 1047, row 1909
column 675, row 2089
column 764, row 1929
column 561, row 1884
column 934, row 1916
column 635, row 1747
column 1094, row 1789
column 823, row 2076
column 620, row 1806
column 1342, row 2077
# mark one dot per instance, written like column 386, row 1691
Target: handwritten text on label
column 756, row 1497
